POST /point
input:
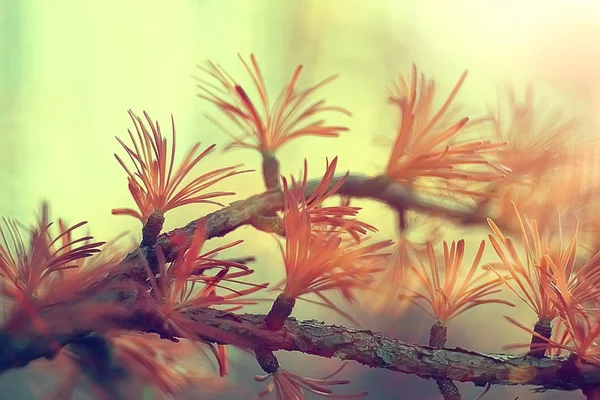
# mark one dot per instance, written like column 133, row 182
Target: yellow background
column 69, row 70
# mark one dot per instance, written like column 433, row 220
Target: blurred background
column 70, row 70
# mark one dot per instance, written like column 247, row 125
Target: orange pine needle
column 320, row 260
column 187, row 284
column 288, row 385
column 427, row 144
column 537, row 142
column 155, row 184
column 548, row 269
column 267, row 127
column 26, row 270
column 325, row 218
column 442, row 294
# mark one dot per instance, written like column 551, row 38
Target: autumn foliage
column 500, row 170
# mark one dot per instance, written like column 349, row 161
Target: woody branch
column 24, row 343
column 317, row 338
column 398, row 197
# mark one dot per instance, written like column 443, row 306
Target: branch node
column 270, row 171
column 538, row 346
column 281, row 310
column 438, row 334
column 267, row 360
column 437, row 339
column 152, row 229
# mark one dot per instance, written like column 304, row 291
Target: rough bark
column 21, row 340
column 437, row 339
column 369, row 348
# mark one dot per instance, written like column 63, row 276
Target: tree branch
column 375, row 350
column 125, row 302
column 397, row 197
column 244, row 212
column 317, row 338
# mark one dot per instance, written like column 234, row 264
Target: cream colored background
column 69, row 70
